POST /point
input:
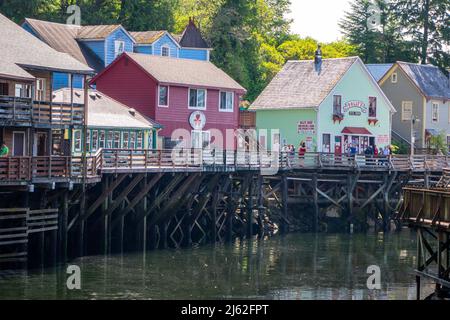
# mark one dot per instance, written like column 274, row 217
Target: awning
column 356, row 131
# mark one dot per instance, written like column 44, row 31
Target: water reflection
column 297, row 266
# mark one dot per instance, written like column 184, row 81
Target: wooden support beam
column 316, row 204
column 105, row 194
column 250, row 208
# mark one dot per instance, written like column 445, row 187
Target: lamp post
column 414, row 120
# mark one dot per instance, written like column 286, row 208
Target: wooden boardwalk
column 427, row 210
column 47, row 169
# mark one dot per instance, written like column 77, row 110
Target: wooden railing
column 14, row 109
column 130, row 160
column 24, row 110
column 429, row 207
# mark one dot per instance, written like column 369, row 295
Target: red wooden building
column 195, row 96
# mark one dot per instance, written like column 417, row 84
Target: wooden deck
column 22, row 111
column 58, row 168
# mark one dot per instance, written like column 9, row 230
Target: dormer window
column 394, row 77
column 337, row 105
column 119, row 48
column 165, row 51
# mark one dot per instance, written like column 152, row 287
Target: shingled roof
column 62, row 38
column 298, row 85
column 192, row 37
column 182, row 72
column 106, row 112
column 379, row 70
column 20, row 48
column 147, row 37
column 429, row 79
column 97, row 32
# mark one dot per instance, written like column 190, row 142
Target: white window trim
column 403, row 113
column 394, row 76
column 232, row 101
column 75, row 149
column 165, row 46
column 202, row 133
column 168, row 90
column 43, row 89
column 434, row 103
column 116, row 46
column 189, row 96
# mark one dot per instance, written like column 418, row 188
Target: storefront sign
column 306, row 127
column 197, row 120
column 383, row 140
column 355, row 107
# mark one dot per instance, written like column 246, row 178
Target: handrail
column 129, row 160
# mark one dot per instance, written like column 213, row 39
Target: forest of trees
column 252, row 39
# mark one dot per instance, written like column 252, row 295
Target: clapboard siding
column 121, row 35
column 98, row 47
column 194, row 54
column 143, row 49
column 176, row 116
column 165, row 40
column 128, row 84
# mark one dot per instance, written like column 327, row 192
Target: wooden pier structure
column 56, row 208
column 427, row 210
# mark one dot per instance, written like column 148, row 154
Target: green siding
column 355, row 86
column 287, row 122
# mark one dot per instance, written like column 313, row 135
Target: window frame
column 76, row 140
column 41, row 90
column 226, row 99
column 376, row 108
column 394, row 77
column 165, row 46
column 404, row 105
column 340, row 104
column 116, row 142
column 159, row 96
column 434, row 104
column 94, row 143
column 116, row 47
column 101, row 142
column 205, row 99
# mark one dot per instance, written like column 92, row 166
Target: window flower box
column 338, row 117
column 373, row 121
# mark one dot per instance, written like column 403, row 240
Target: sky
column 318, row 18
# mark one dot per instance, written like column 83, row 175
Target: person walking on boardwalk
column 301, row 152
column 4, row 150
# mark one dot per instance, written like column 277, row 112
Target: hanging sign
column 355, row 107
column 306, row 127
column 197, row 120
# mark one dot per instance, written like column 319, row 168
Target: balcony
column 24, row 111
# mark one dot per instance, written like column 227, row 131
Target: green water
column 296, row 266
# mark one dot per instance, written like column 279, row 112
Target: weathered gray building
column 421, row 92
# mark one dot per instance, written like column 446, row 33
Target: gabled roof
column 192, row 37
column 147, row 37
column 429, row 79
column 62, row 38
column 106, row 112
column 11, row 70
column 97, row 32
column 298, row 85
column 182, row 72
column 379, row 70
column 20, row 48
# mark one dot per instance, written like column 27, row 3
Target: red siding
column 127, row 83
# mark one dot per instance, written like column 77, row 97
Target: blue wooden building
column 98, row 46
